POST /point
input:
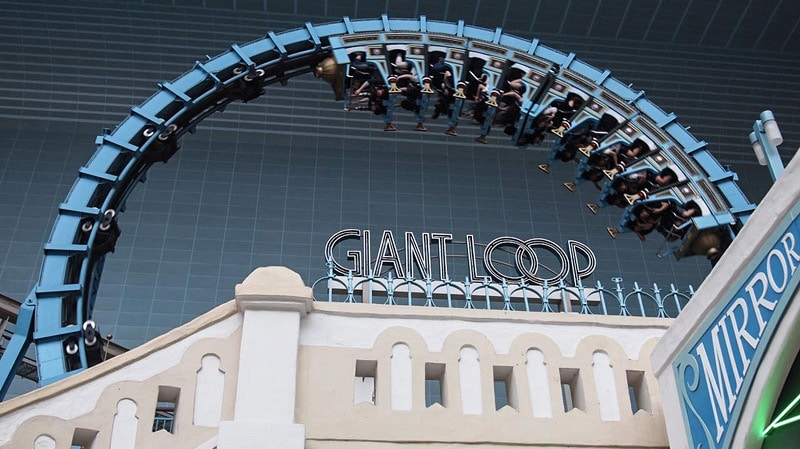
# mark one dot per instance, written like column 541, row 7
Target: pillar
column 272, row 300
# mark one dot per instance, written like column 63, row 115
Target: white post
column 539, row 384
column 606, row 387
column 401, row 377
column 469, row 374
column 272, row 299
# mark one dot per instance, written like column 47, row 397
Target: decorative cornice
column 273, row 288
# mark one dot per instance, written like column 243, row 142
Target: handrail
column 654, row 302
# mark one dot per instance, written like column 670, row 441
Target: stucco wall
column 284, row 373
column 327, row 370
column 91, row 400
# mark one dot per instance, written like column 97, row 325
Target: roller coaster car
column 628, row 154
column 685, row 231
column 507, row 117
column 532, row 130
column 628, row 187
column 663, row 214
column 564, row 112
column 440, row 81
column 583, row 138
column 361, row 82
column 506, row 104
column 704, row 237
column 360, row 69
column 440, row 71
column 599, row 132
column 675, row 223
column 476, row 78
column 598, row 162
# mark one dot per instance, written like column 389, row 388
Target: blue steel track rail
column 56, row 315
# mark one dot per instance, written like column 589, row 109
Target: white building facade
column 274, row 369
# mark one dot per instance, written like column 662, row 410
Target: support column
column 272, row 300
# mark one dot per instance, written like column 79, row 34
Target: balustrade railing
column 614, row 299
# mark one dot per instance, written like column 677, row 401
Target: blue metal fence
column 599, row 299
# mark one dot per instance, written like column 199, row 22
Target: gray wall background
column 268, row 182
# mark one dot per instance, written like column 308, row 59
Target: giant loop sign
column 715, row 370
column 575, row 263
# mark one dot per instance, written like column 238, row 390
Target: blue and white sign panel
column 715, row 370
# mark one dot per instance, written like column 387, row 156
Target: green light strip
column 779, row 421
column 787, row 421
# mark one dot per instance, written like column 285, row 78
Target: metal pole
column 760, row 139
